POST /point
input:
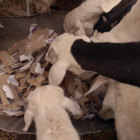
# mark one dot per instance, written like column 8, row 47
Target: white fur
column 42, row 6
column 123, row 104
column 128, row 30
column 83, row 18
column 47, row 106
column 60, row 56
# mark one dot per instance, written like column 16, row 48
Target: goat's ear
column 99, row 81
column 57, row 72
column 51, row 56
column 107, row 5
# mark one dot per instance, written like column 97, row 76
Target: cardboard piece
column 71, row 86
column 1, row 112
column 12, row 80
column 20, row 12
column 77, row 95
column 38, row 69
column 4, row 78
column 13, row 107
column 44, row 32
column 45, row 74
column 16, row 65
column 14, row 91
column 2, row 72
column 24, row 57
column 32, row 81
column 20, row 75
column 8, row 70
column 12, row 113
column 26, row 66
column 3, row 97
column 35, row 46
column 40, row 78
column 51, row 32
column 13, row 8
column 23, row 44
column 6, row 59
column 19, row 114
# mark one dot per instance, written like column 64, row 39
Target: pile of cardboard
column 23, row 68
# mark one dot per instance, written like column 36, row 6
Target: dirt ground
column 61, row 6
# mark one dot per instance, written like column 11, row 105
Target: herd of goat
column 97, row 39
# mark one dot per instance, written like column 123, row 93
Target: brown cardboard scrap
column 24, row 80
column 71, row 86
column 8, row 70
column 14, row 91
column 32, row 81
column 20, row 75
column 3, row 97
column 45, row 82
column 44, row 32
column 82, row 88
column 34, row 37
column 6, row 59
column 82, row 100
column 20, row 114
column 16, row 55
column 16, row 65
column 1, row 112
column 13, row 107
column 13, row 8
column 4, row 78
column 45, row 74
column 28, row 91
column 96, row 100
column 20, row 12
column 40, row 78
column 34, row 46
column 26, row 66
column 23, row 44
column 32, row 70
column 14, row 48
column 67, row 79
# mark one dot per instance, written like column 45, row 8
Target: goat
column 42, row 6
column 82, row 19
column 118, row 61
column 47, row 106
column 122, row 103
column 128, row 30
column 109, row 20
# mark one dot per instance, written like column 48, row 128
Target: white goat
column 47, row 106
column 42, row 6
column 83, row 18
column 59, row 55
column 122, row 103
column 128, row 30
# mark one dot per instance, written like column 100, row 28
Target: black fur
column 112, row 17
column 119, row 61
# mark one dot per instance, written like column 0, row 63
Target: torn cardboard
column 6, row 59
